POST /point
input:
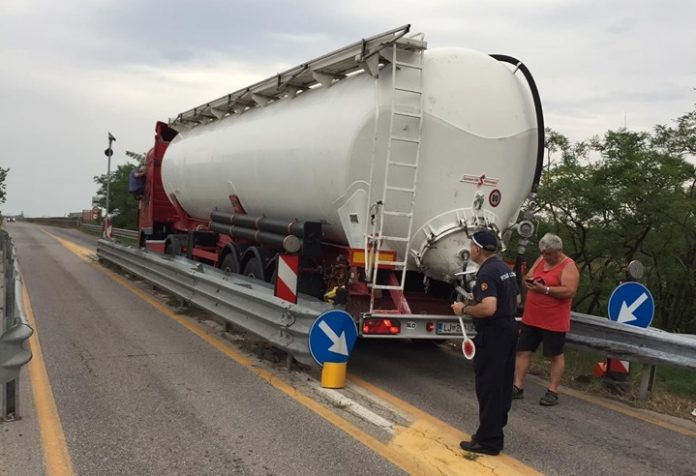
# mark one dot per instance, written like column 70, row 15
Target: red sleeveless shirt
column 548, row 312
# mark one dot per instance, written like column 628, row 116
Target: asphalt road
column 139, row 394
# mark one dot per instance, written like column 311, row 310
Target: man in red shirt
column 551, row 285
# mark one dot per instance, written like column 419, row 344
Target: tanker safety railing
column 251, row 305
column 14, row 331
column 324, row 70
column 244, row 302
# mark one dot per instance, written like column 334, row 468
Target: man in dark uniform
column 136, row 182
column 496, row 296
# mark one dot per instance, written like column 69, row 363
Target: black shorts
column 531, row 336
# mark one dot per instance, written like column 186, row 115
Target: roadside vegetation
column 123, row 206
column 627, row 195
column 3, row 193
column 621, row 197
column 674, row 391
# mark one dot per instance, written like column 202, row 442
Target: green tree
column 624, row 196
column 124, row 208
column 3, row 177
column 681, row 138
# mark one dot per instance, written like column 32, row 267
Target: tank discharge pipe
column 271, row 225
column 288, row 243
column 541, row 133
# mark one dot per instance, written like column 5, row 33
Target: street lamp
column 108, row 153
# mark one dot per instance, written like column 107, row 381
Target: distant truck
column 374, row 163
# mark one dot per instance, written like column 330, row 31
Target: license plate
column 453, row 328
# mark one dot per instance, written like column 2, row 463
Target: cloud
column 73, row 70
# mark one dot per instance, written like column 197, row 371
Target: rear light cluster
column 381, row 326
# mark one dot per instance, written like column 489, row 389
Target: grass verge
column 674, row 390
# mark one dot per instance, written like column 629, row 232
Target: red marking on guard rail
column 107, row 229
column 286, row 280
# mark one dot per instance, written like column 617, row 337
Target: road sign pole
column 333, row 374
column 108, row 152
column 108, row 184
column 331, row 340
column 630, row 303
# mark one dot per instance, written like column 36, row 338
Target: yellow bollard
column 333, row 375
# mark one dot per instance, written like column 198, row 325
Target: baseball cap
column 485, row 239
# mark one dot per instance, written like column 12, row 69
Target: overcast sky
column 72, row 70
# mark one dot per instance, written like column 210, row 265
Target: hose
column 537, row 109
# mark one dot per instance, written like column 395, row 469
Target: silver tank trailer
column 309, row 157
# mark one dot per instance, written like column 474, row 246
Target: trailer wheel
column 254, row 269
column 230, row 264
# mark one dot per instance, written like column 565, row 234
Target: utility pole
column 108, row 153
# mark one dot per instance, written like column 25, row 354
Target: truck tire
column 254, row 269
column 230, row 264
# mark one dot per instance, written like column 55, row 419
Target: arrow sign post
column 332, row 337
column 339, row 346
column 626, row 314
column 631, row 303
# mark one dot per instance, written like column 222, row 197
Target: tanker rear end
column 380, row 159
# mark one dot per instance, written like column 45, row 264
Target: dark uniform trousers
column 494, row 367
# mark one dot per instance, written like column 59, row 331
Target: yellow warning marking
column 434, row 445
column 428, row 446
column 226, row 348
column 56, row 455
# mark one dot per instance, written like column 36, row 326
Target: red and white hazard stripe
column 619, row 366
column 107, row 229
column 286, row 280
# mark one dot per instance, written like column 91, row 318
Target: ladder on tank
column 393, row 214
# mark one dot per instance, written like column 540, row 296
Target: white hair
column 550, row 242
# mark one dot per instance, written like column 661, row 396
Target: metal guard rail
column 250, row 304
column 244, row 302
column 623, row 341
column 19, row 331
column 14, row 328
column 115, row 232
column 14, row 332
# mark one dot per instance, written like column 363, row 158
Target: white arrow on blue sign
column 631, row 303
column 332, row 337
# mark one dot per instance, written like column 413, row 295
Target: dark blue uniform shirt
column 495, row 279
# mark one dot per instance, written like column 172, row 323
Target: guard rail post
column 647, row 381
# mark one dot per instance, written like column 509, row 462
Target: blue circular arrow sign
column 332, row 337
column 631, row 303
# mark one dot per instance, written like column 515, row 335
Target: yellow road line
column 435, row 443
column 622, row 408
column 226, row 348
column 408, row 440
column 56, row 456
column 427, row 446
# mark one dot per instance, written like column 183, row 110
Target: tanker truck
column 360, row 174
